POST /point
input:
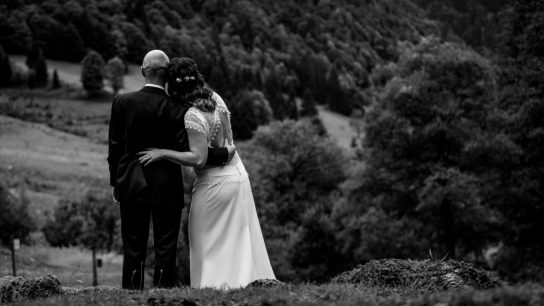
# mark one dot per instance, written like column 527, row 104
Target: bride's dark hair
column 186, row 84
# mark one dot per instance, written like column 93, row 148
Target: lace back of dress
column 222, row 129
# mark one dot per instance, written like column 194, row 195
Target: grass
column 338, row 126
column 304, row 294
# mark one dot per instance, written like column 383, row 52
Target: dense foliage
column 426, row 141
column 522, row 97
column 477, row 22
column 294, row 171
column 317, row 50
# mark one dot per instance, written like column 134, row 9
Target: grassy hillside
column 72, row 265
column 46, row 164
column 337, row 125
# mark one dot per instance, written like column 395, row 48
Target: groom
column 148, row 118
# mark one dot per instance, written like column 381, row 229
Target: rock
column 430, row 274
column 266, row 283
column 17, row 288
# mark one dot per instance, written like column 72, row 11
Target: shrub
column 91, row 223
column 432, row 275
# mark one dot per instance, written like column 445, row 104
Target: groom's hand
column 114, row 195
column 231, row 148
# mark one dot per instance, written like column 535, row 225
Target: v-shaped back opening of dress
column 215, row 125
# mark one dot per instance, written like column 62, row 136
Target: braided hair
column 186, row 84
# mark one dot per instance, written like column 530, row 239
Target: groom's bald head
column 154, row 66
column 155, row 59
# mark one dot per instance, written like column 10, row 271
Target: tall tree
column 5, row 68
column 427, row 141
column 92, row 73
column 115, row 72
column 56, row 82
column 35, row 61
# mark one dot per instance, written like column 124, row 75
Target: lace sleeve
column 195, row 121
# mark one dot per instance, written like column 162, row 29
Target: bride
column 227, row 248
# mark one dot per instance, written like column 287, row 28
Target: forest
column 450, row 161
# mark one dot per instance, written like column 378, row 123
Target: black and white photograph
column 289, row 152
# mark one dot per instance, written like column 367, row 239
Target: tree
column 92, row 73
column 90, row 222
column 434, row 150
column 308, row 107
column 56, row 81
column 293, row 170
column 336, row 96
column 5, row 68
column 115, row 72
column 137, row 44
column 249, row 109
column 35, row 61
column 15, row 221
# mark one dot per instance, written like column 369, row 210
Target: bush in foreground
column 433, row 275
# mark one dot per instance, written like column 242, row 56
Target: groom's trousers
column 136, row 214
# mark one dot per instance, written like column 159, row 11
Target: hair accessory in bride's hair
column 185, row 79
column 189, row 78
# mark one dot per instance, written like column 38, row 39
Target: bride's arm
column 195, row 157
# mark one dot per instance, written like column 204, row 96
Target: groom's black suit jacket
column 149, row 119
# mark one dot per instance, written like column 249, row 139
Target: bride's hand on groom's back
column 150, row 156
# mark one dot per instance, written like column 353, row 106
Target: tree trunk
column 95, row 279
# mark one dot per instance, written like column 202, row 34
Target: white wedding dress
column 227, row 248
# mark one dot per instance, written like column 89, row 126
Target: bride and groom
column 152, row 132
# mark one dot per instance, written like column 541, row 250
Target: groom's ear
column 143, row 70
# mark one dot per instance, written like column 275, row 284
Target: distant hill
column 321, row 51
